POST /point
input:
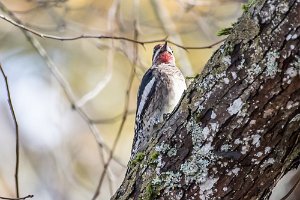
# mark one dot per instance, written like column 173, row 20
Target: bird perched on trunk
column 160, row 91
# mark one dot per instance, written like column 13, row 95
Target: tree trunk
column 236, row 130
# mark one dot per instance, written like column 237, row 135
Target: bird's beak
column 165, row 47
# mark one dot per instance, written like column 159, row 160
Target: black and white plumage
column 160, row 91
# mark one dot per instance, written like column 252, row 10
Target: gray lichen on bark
column 236, row 130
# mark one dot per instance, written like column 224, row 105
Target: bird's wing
column 145, row 93
column 145, row 96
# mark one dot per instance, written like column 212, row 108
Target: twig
column 17, row 132
column 169, row 27
column 112, row 119
column 61, row 80
column 125, row 114
column 108, row 75
column 21, row 198
column 98, row 88
column 85, row 36
column 195, row 48
column 110, row 61
column 111, row 18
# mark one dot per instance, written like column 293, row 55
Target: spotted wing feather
column 145, row 97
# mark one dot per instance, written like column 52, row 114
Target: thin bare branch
column 21, row 198
column 169, row 27
column 125, row 114
column 61, row 80
column 111, row 19
column 85, row 36
column 110, row 63
column 108, row 75
column 197, row 48
column 112, row 119
column 98, row 88
column 16, row 131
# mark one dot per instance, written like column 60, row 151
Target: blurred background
column 73, row 98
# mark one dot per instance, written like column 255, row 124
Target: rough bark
column 236, row 130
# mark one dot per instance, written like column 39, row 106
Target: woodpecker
column 160, row 91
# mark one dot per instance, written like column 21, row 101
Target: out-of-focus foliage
column 60, row 158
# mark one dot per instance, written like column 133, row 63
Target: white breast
column 178, row 88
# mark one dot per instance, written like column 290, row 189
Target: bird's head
column 162, row 53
